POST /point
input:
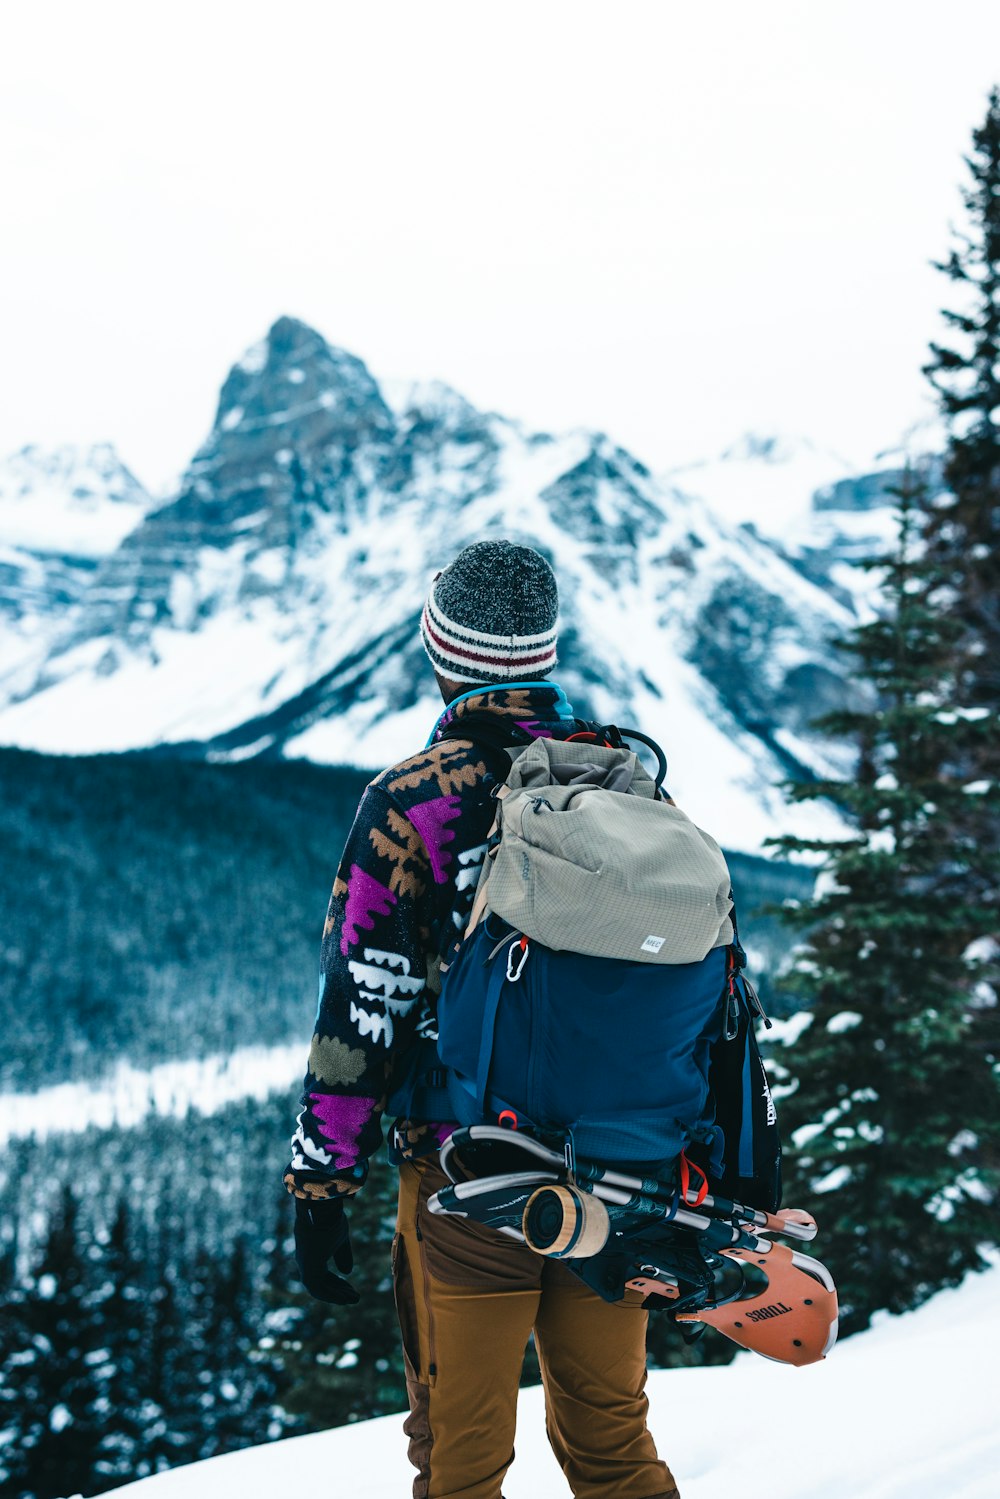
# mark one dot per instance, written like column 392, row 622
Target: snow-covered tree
column 120, row 1362
column 343, row 1363
column 55, row 1415
column 963, row 528
column 894, row 1113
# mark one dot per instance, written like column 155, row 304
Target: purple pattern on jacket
column 366, row 899
column 340, row 1117
column 535, row 730
column 430, row 820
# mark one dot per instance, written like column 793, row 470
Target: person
column 467, row 1297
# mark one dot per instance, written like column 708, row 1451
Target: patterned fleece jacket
column 405, row 887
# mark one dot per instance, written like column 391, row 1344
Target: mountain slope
column 806, row 503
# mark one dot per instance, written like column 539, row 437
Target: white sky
column 670, row 221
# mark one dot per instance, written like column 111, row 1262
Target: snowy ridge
column 70, row 501
column 906, row 1410
column 272, row 606
column 62, row 511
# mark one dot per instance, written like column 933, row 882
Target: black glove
column 321, row 1234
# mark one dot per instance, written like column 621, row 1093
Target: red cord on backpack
column 589, row 737
column 685, row 1168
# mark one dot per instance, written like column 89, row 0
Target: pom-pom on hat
column 491, row 615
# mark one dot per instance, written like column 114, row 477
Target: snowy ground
column 907, row 1410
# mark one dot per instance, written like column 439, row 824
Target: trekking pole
column 800, row 1227
column 717, row 1207
column 718, row 1233
column 648, row 1195
column 563, row 1220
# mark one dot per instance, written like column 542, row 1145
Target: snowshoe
column 698, row 1257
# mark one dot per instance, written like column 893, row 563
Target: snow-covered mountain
column 810, row 506
column 906, row 1410
column 766, row 480
column 272, row 606
column 62, row 511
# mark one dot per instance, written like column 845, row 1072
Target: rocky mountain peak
column 603, row 499
column 70, row 500
column 302, row 448
column 295, row 386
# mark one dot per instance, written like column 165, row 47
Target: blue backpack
column 631, row 1061
column 615, row 1052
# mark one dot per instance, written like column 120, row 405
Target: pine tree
column 342, row 1363
column 244, row 1384
column 58, row 1418
column 962, row 535
column 963, row 529
column 121, row 1362
column 16, row 1356
column 168, row 1442
column 894, row 1113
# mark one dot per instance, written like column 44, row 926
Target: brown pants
column 467, row 1298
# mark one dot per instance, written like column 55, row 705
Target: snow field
column 907, row 1410
column 171, row 1090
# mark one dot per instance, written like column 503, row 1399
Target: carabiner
column 517, row 956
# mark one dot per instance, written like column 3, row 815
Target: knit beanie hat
column 491, row 615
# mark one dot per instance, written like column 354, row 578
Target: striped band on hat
column 466, row 655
